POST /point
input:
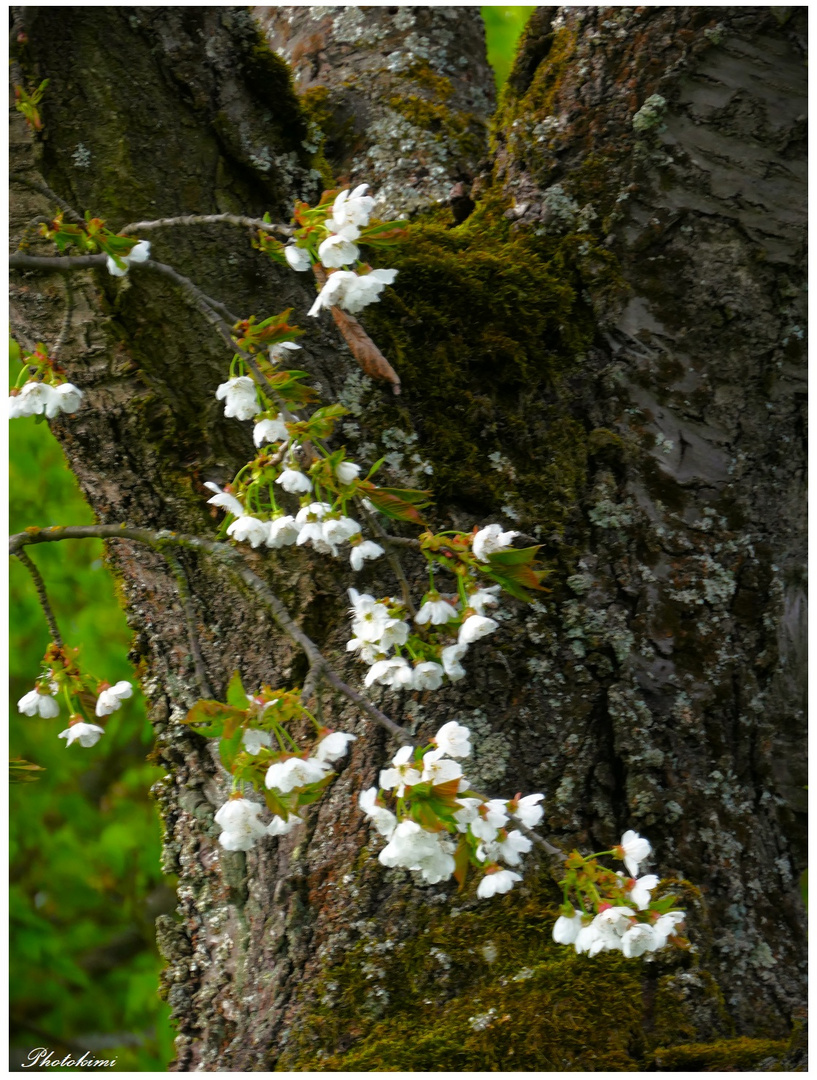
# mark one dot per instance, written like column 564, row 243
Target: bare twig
column 65, row 329
column 39, row 585
column 207, row 219
column 189, row 610
column 392, row 558
column 44, row 189
column 57, row 263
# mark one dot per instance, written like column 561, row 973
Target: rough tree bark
column 608, row 350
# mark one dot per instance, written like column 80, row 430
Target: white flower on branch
column 498, row 881
column 224, row 499
column 270, row 431
column 351, row 291
column 476, row 627
column 438, row 769
column 427, row 676
column 294, row 481
column 297, row 257
column 111, row 697
column 381, row 817
column 239, row 397
column 453, row 739
column 138, row 254
column 347, row 472
column 249, row 528
column 84, row 734
column 368, row 549
column 402, row 774
column 437, row 612
column 282, row 532
column 527, row 811
column 254, row 740
column 351, row 208
column 294, row 772
column 337, row 251
column 37, row 398
column 633, row 849
column 491, row 539
column 333, row 747
column 35, row 703
column 241, row 828
column 451, row 656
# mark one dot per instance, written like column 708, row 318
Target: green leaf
column 513, row 557
column 230, row 747
column 211, row 718
column 397, row 503
column 236, row 695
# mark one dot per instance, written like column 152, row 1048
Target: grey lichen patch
column 650, row 114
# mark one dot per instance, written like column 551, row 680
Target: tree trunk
column 605, row 352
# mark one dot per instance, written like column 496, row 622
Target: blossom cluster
column 45, row 391
column 616, row 913
column 328, row 239
column 438, row 826
column 61, row 675
column 448, row 627
column 259, row 748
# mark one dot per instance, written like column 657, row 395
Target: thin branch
column 189, row 610
column 391, row 557
column 159, row 539
column 58, row 263
column 44, row 189
column 207, row 219
column 65, row 329
column 39, row 585
column 226, row 318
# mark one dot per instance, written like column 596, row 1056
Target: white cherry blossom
column 351, row 208
column 336, row 251
column 381, row 817
column 297, row 257
column 139, row 253
column 112, row 697
column 368, row 549
column 254, row 740
column 238, row 819
column 84, row 734
column 250, row 529
column 491, row 539
column 333, row 747
column 295, row 772
column 453, row 739
column 239, row 397
column 476, row 627
column 282, row 532
column 270, row 431
column 36, row 704
column 437, row 612
column 294, row 481
column 633, row 849
column 347, row 472
column 501, row 881
column 451, row 656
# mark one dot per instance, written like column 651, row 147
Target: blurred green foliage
column 503, row 26
column 85, row 884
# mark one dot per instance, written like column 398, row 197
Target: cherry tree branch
column 319, row 667
column 45, row 604
column 158, row 540
column 208, row 219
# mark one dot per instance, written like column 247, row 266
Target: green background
column 84, row 839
